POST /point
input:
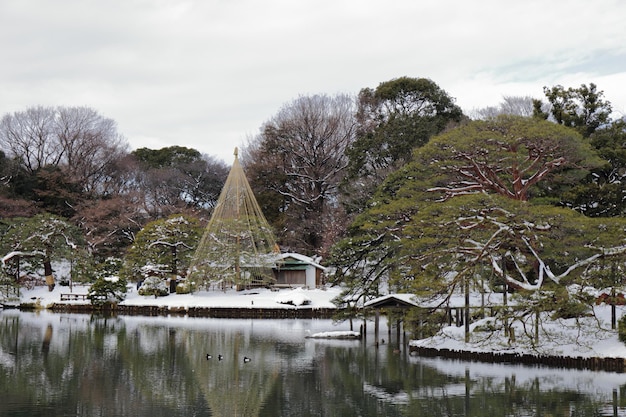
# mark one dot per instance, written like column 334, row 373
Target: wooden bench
column 74, row 297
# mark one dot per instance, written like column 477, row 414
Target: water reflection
column 64, row 364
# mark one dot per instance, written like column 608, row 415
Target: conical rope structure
column 238, row 247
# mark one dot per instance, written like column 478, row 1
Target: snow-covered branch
column 6, row 258
column 170, row 244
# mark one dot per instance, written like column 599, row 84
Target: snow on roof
column 400, row 300
column 302, row 258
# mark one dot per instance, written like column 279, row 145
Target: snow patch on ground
column 256, row 298
column 583, row 337
column 296, row 297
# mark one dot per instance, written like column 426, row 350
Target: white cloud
column 207, row 74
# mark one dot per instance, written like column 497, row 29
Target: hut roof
column 393, row 300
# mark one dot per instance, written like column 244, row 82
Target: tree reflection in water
column 71, row 364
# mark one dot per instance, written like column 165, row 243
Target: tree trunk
column 47, row 268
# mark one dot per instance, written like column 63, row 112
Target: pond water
column 83, row 365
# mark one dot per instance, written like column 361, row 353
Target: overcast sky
column 206, row 74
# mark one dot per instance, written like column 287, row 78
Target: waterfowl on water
column 220, row 357
column 246, row 359
column 208, row 356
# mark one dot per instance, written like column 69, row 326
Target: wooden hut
column 297, row 270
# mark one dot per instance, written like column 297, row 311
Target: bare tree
column 78, row 140
column 110, row 224
column 300, row 156
column 90, row 145
column 29, row 136
column 510, row 105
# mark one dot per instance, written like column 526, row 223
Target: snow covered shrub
column 488, row 325
column 107, row 290
column 9, row 289
column 295, row 297
column 154, row 286
column 167, row 244
column 183, row 287
column 109, row 268
column 571, row 311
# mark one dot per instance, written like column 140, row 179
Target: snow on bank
column 586, row 337
column 256, row 298
column 583, row 337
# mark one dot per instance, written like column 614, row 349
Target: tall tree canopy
column 603, row 192
column 299, row 159
column 393, row 119
column 508, row 156
column 447, row 209
column 77, row 140
column 582, row 108
column 165, row 245
column 177, row 177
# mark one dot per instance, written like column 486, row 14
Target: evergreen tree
column 166, row 244
column 465, row 204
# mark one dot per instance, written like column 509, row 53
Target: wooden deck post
column 376, row 326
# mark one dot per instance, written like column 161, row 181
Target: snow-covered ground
column 586, row 337
column 257, row 298
column 583, row 337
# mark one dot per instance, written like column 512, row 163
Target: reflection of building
column 298, row 271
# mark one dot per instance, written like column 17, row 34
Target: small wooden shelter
column 390, row 301
column 393, row 301
column 297, row 270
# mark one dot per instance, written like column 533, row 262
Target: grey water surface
column 54, row 364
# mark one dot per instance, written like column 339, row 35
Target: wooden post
column 482, row 294
column 537, row 326
column 376, row 326
column 467, row 310
column 504, row 298
column 468, row 392
column 364, row 328
column 613, row 313
column 398, row 324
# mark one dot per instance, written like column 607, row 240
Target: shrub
column 183, row 287
column 153, row 286
column 107, row 290
column 621, row 329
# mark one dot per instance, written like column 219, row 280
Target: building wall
column 295, row 278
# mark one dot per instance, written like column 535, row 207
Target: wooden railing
column 74, row 297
